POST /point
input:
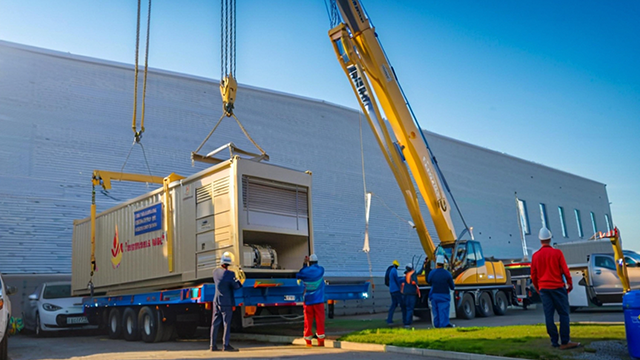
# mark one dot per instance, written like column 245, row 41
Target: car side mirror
column 33, row 297
column 11, row 290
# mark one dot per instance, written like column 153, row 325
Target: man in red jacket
column 549, row 272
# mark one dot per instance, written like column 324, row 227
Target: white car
column 51, row 308
column 5, row 316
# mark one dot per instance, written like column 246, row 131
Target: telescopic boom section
column 356, row 44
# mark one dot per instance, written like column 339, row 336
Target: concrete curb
column 347, row 345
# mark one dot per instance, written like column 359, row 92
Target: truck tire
column 130, row 329
column 500, row 304
column 151, row 328
column 115, row 324
column 484, row 307
column 186, row 329
column 169, row 332
column 467, row 308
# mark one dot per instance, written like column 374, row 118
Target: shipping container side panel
column 81, row 256
column 185, row 208
column 131, row 243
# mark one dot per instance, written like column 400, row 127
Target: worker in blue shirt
column 312, row 275
column 393, row 281
column 441, row 283
column 223, row 302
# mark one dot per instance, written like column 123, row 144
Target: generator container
column 260, row 213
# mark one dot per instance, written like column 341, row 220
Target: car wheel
column 151, row 328
column 500, row 306
column 467, row 308
column 115, row 324
column 484, row 305
column 130, row 329
column 38, row 329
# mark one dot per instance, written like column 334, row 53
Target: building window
column 578, row 222
column 607, row 222
column 524, row 217
column 543, row 215
column 562, row 222
column 593, row 222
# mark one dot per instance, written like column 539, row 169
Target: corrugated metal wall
column 63, row 116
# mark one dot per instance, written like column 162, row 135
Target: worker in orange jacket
column 410, row 293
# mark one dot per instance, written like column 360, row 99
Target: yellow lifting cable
column 228, row 83
column 138, row 134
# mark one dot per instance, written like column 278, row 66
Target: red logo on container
column 116, row 250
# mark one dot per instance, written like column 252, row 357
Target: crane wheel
column 500, row 304
column 485, row 305
column 467, row 308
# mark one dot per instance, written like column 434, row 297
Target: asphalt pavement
column 86, row 346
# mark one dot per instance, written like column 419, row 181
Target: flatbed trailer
column 164, row 315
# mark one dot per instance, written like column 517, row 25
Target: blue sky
column 554, row 82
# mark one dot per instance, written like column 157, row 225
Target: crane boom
column 363, row 60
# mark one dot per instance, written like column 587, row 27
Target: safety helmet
column 440, row 259
column 544, row 234
column 313, row 257
column 226, row 258
column 409, row 266
column 396, row 263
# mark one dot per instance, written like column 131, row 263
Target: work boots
column 569, row 345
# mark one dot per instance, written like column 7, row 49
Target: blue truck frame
column 164, row 315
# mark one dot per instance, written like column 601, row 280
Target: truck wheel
column 130, row 329
column 115, row 324
column 467, row 308
column 187, row 329
column 150, row 325
column 500, row 306
column 484, row 305
column 169, row 332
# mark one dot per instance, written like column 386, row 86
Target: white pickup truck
column 593, row 271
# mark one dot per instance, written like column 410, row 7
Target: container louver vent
column 274, row 197
column 204, row 193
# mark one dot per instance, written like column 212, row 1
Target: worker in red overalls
column 312, row 275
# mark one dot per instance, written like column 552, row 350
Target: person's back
column 548, row 266
column 225, row 285
column 313, row 278
column 441, row 281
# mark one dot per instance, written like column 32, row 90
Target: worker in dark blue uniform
column 394, row 291
column 223, row 302
column 441, row 283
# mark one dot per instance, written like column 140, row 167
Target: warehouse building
column 62, row 116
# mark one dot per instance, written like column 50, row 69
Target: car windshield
column 634, row 255
column 57, row 291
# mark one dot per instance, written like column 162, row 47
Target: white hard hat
column 440, row 259
column 409, row 266
column 226, row 258
column 544, row 234
column 313, row 257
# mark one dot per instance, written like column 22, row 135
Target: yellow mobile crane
column 481, row 284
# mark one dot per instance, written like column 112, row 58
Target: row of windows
column 544, row 219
